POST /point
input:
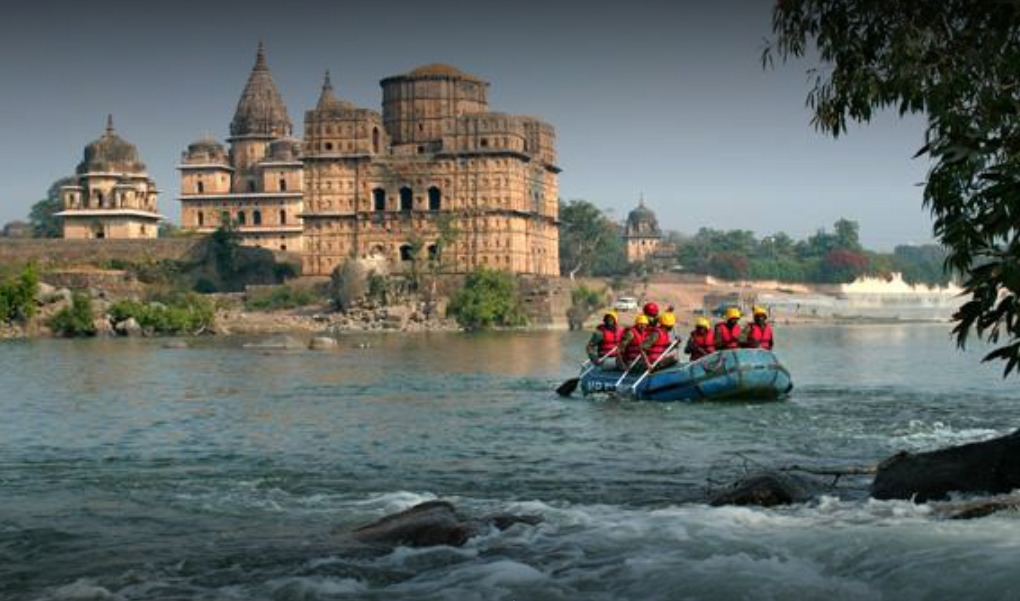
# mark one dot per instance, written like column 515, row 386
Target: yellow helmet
column 611, row 313
column 667, row 319
column 702, row 322
column 733, row 313
column 641, row 319
column 759, row 311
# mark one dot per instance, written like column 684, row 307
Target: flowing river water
column 130, row 471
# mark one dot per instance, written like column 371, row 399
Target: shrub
column 75, row 321
column 17, row 295
column 181, row 313
column 489, row 298
column 281, row 297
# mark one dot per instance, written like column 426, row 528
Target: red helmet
column 651, row 310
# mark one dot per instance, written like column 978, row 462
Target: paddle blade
column 567, row 388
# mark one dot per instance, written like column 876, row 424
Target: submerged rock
column 433, row 523
column 992, row 466
column 322, row 343
column 766, row 490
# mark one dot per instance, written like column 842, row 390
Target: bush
column 76, row 321
column 583, row 300
column 281, row 297
column 182, row 313
column 489, row 298
column 17, row 295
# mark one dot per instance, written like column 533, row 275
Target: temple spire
column 109, row 124
column 260, row 58
column 327, row 99
column 260, row 111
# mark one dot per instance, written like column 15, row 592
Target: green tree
column 17, row 295
column 42, row 215
column 583, row 300
column 75, row 321
column 957, row 62
column 590, row 242
column 488, row 299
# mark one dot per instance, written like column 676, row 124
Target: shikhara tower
column 436, row 178
column 256, row 186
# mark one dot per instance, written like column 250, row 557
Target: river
column 130, row 471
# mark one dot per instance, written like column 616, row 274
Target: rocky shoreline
column 231, row 318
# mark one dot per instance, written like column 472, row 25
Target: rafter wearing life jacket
column 658, row 341
column 606, row 337
column 759, row 331
column 655, row 344
column 633, row 338
column 702, row 340
column 727, row 333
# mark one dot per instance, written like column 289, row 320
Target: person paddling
column 658, row 340
column 604, row 340
column 702, row 340
column 759, row 331
column 727, row 333
column 629, row 354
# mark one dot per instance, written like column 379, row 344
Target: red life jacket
column 659, row 344
column 610, row 339
column 702, row 344
column 726, row 337
column 758, row 337
column 633, row 350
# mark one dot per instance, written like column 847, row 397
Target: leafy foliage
column 489, row 298
column 958, row 63
column 182, row 313
column 583, row 301
column 75, row 321
column 590, row 243
column 42, row 216
column 736, row 254
column 281, row 297
column 17, row 295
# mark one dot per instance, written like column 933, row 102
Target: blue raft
column 740, row 374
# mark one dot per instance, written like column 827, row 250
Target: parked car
column 626, row 303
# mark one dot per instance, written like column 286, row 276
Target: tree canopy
column 590, row 242
column 957, row 62
column 42, row 216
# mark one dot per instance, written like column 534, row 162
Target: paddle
column 634, row 386
column 567, row 388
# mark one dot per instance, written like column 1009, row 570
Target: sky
column 665, row 100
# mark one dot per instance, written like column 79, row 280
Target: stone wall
column 546, row 301
column 60, row 252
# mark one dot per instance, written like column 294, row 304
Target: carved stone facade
column 435, row 179
column 112, row 196
column 642, row 236
column 257, row 186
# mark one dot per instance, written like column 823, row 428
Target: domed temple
column 112, row 195
column 256, row 186
column 641, row 236
column 435, row 177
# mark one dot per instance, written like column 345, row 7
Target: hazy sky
column 666, row 99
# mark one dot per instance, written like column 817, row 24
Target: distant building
column 256, row 187
column 642, row 237
column 112, row 196
column 436, row 176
